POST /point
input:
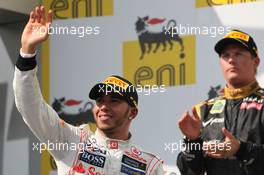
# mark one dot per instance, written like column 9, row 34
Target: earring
column 130, row 118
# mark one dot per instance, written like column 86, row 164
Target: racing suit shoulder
column 152, row 155
column 213, row 100
column 153, row 162
column 40, row 117
column 155, row 166
column 85, row 127
column 204, row 105
column 260, row 93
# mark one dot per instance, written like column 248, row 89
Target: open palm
column 36, row 30
column 190, row 125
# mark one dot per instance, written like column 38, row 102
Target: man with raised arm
column 108, row 151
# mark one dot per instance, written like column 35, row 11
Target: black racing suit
column 240, row 111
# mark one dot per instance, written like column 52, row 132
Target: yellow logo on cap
column 116, row 82
column 237, row 35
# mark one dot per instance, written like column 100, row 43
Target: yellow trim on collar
column 241, row 92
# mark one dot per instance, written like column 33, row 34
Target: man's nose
column 231, row 59
column 104, row 106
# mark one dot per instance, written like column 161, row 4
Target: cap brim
column 95, row 91
column 225, row 41
column 99, row 90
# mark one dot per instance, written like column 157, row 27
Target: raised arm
column 37, row 114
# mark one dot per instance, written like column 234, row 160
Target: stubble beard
column 117, row 123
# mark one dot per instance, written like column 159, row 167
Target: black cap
column 237, row 37
column 118, row 85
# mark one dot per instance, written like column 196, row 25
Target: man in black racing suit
column 225, row 135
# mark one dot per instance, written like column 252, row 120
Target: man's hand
column 223, row 150
column 36, row 30
column 190, row 125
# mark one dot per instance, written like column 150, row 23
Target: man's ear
column 133, row 113
column 257, row 61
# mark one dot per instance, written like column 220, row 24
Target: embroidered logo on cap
column 237, row 35
column 116, row 82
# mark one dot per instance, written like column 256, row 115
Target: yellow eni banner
column 208, row 3
column 160, row 63
column 64, row 9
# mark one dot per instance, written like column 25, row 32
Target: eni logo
column 158, row 58
column 64, row 9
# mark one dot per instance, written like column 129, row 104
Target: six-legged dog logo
column 167, row 35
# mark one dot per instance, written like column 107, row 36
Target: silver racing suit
column 76, row 150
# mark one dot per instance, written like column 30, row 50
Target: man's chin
column 105, row 127
column 236, row 82
column 233, row 79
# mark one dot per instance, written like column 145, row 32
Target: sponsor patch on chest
column 131, row 171
column 252, row 103
column 218, row 107
column 133, row 163
column 93, row 159
column 212, row 121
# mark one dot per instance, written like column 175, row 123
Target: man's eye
column 99, row 100
column 115, row 100
column 224, row 55
column 239, row 53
